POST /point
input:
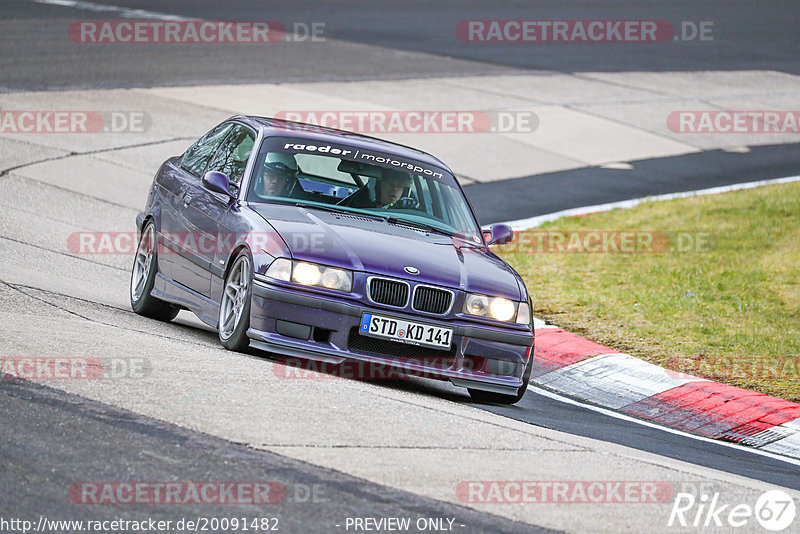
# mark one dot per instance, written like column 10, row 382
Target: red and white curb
column 570, row 365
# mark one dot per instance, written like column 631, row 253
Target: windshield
column 352, row 179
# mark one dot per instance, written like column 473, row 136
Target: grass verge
column 706, row 285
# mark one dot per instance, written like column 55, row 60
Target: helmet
column 394, row 174
column 280, row 157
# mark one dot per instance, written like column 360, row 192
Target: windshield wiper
column 392, row 220
column 420, row 225
column 334, row 209
column 276, row 200
column 318, row 207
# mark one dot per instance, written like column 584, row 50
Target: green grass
column 728, row 311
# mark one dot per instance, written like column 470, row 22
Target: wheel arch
column 146, row 219
column 234, row 253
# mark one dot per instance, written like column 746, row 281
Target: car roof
column 270, row 126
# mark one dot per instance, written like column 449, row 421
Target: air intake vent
column 356, row 217
column 410, row 227
column 442, row 359
column 389, row 292
column 432, row 300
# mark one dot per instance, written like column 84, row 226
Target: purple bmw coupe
column 333, row 247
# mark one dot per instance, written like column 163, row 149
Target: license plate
column 406, row 331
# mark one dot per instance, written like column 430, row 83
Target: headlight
column 335, row 279
column 280, row 269
column 493, row 307
column 476, row 304
column 311, row 274
column 502, row 309
column 523, row 313
column 307, row 274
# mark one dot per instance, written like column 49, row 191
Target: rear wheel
column 234, row 308
column 500, row 398
column 143, row 276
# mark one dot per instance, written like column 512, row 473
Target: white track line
column 628, row 418
column 533, row 222
column 124, row 12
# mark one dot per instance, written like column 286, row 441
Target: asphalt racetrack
column 373, row 449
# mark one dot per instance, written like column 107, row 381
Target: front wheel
column 499, row 398
column 234, row 308
column 143, row 276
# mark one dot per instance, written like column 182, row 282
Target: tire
column 143, row 276
column 234, row 306
column 499, row 398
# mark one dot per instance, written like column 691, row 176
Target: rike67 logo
column 774, row 510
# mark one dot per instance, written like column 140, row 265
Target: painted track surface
column 605, row 377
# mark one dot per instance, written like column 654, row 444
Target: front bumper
column 324, row 328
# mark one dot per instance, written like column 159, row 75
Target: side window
column 232, row 155
column 424, row 194
column 434, row 190
column 196, row 158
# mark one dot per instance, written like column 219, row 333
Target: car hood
column 376, row 246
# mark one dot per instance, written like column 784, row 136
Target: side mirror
column 498, row 234
column 218, row 183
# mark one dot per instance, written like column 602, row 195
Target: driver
column 279, row 175
column 390, row 188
